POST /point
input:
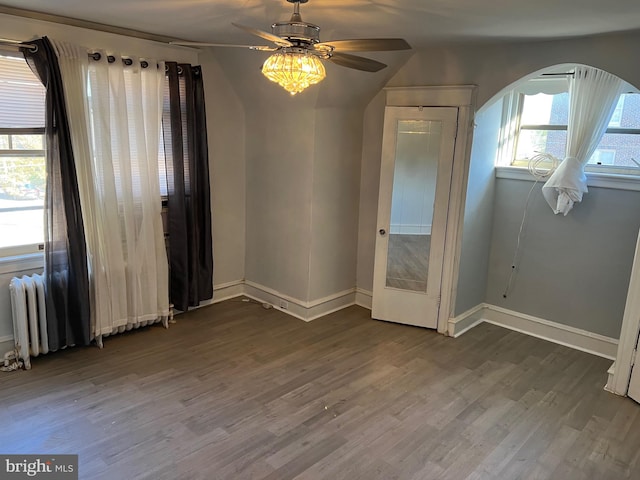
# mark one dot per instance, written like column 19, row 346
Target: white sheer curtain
column 593, row 95
column 121, row 108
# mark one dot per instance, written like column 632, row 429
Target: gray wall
column 369, row 186
column 334, row 211
column 478, row 211
column 227, row 171
column 303, row 175
column 572, row 270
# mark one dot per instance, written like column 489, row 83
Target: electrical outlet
column 284, row 305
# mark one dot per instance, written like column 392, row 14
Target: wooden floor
column 234, row 391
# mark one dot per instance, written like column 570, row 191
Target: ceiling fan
column 295, row 63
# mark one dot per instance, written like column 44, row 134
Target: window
column 22, row 160
column 535, row 121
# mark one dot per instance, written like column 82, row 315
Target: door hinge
column 633, row 357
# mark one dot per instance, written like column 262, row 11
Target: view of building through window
column 543, row 128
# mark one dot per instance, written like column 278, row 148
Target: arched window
column 535, row 114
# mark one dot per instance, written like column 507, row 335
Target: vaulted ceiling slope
column 419, row 21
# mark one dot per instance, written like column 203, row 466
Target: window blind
column 22, row 96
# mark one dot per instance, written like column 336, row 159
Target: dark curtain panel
column 187, row 172
column 66, row 275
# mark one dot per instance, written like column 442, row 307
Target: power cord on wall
column 539, row 173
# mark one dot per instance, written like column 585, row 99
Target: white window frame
column 513, row 103
column 28, row 255
column 29, row 248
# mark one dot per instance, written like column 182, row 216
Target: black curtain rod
column 127, row 61
column 18, row 44
column 95, row 56
column 567, row 74
column 110, row 58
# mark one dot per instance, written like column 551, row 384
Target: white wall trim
column 21, row 263
column 554, row 332
column 603, row 180
column 432, row 96
column 331, row 304
column 221, row 292
column 225, row 291
column 571, row 337
column 619, row 383
column 6, row 345
column 465, row 321
column 304, row 310
column 364, row 298
column 611, row 379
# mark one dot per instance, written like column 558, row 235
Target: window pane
column 22, row 184
column 543, row 109
column 22, row 164
column 533, row 142
column 627, row 112
column 27, row 142
column 623, row 148
column 603, row 157
column 22, row 95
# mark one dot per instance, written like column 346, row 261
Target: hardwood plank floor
column 233, row 391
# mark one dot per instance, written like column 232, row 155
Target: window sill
column 20, row 263
column 600, row 180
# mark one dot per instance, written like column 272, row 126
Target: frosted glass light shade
column 293, row 71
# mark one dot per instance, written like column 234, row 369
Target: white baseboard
column 6, row 345
column 465, row 321
column 572, row 337
column 579, row 339
column 225, row 291
column 610, row 386
column 364, row 298
column 300, row 309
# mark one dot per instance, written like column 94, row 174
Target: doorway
column 415, row 184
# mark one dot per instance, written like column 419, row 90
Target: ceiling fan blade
column 281, row 42
column 359, row 63
column 366, row 45
column 205, row 44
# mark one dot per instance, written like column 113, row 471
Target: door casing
column 463, row 97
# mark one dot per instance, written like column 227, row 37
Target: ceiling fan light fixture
column 294, row 71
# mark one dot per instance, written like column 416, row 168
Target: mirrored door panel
column 413, row 196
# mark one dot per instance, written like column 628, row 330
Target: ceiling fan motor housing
column 297, row 32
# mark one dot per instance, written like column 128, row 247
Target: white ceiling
column 418, row 21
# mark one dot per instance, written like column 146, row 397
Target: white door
column 415, row 179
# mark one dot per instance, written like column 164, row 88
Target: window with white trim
column 535, row 118
column 22, row 159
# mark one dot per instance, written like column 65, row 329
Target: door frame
column 619, row 381
column 410, row 307
column 463, row 98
